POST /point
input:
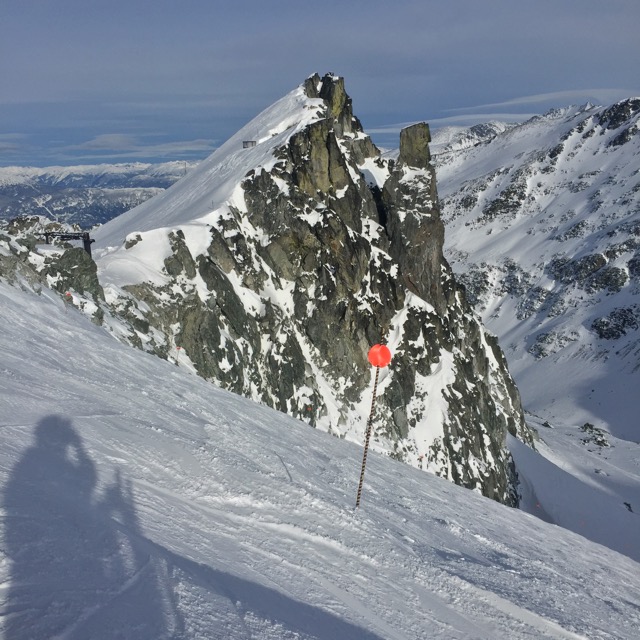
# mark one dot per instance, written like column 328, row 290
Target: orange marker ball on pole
column 379, row 355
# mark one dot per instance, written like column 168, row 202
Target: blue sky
column 87, row 81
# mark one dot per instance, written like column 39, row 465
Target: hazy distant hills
column 84, row 195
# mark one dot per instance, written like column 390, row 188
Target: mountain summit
column 275, row 265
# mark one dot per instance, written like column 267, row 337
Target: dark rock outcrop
column 66, row 269
column 318, row 263
column 74, row 269
column 415, row 230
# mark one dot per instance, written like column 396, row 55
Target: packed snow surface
column 139, row 501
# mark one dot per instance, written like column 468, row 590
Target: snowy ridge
column 140, row 502
column 543, row 229
column 184, row 203
column 447, row 140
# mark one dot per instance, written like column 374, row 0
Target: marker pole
column 367, row 438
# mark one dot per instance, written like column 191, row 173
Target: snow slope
column 138, row 501
column 542, row 226
column 212, row 183
column 193, row 204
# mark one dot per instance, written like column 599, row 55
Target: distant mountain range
column 84, row 195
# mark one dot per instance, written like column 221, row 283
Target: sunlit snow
column 139, row 502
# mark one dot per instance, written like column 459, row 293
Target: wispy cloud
column 108, row 142
column 564, row 98
column 11, row 143
column 119, row 145
column 8, row 147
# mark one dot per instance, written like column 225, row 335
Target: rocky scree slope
column 271, row 270
column 543, row 229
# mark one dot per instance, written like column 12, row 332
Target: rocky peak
column 339, row 109
column 324, row 249
column 414, row 226
column 414, row 146
column 620, row 113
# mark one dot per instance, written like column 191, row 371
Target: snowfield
column 213, row 184
column 558, row 189
column 140, row 502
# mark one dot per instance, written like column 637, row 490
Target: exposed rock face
column 414, row 147
column 74, row 269
column 66, row 269
column 414, row 226
column 330, row 249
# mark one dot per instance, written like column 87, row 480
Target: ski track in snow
column 141, row 502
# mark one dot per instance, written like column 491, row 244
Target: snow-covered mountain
column 140, row 502
column 273, row 267
column 85, row 195
column 447, row 140
column 284, row 256
column 543, row 228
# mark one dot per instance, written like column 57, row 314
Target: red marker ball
column 379, row 355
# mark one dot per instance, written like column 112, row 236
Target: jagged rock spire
column 414, row 225
column 324, row 249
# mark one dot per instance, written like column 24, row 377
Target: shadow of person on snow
column 74, row 572
column 80, row 566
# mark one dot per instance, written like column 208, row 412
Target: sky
column 91, row 81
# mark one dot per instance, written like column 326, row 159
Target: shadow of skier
column 241, row 608
column 74, row 573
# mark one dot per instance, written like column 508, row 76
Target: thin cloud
column 108, row 142
column 112, row 145
column 9, row 147
column 601, row 96
column 11, row 143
